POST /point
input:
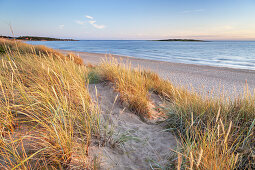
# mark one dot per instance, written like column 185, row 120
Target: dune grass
column 134, row 85
column 45, row 109
column 214, row 133
column 129, row 83
column 23, row 48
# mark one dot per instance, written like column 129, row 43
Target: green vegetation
column 93, row 76
column 2, row 49
column 7, row 37
column 34, row 38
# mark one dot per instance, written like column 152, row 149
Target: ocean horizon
column 231, row 54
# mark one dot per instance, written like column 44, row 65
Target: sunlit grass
column 222, row 129
column 129, row 83
column 44, row 102
column 215, row 133
column 23, row 48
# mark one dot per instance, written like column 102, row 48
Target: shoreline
column 135, row 58
column 210, row 79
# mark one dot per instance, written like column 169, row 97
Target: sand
column 134, row 144
column 200, row 78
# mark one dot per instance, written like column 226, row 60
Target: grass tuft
column 129, row 83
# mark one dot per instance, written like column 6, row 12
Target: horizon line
column 153, row 39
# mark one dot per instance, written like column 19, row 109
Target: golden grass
column 215, row 133
column 223, row 129
column 23, row 48
column 45, row 110
column 134, row 85
column 129, row 83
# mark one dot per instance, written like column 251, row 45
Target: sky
column 130, row 19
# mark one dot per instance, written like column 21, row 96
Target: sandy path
column 142, row 144
column 206, row 77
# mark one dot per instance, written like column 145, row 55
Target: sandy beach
column 198, row 77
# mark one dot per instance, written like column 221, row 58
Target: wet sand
column 204, row 79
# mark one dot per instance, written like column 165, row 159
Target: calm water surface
column 233, row 54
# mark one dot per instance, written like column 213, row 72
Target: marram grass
column 214, row 133
column 45, row 109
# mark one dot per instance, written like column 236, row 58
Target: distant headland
column 181, row 40
column 34, row 38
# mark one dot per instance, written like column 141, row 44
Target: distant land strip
column 34, row 38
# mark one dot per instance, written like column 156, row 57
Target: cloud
column 80, row 22
column 98, row 26
column 89, row 17
column 192, row 11
column 61, row 27
column 93, row 23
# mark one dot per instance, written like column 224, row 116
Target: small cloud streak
column 193, row 11
column 61, row 27
column 98, row 26
column 89, row 17
column 91, row 22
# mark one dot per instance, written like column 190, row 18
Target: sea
column 232, row 54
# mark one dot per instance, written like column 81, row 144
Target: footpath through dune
column 130, row 143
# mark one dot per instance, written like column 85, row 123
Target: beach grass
column 129, row 83
column 45, row 109
column 23, row 48
column 214, row 132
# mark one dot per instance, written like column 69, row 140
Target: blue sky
column 130, row 19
